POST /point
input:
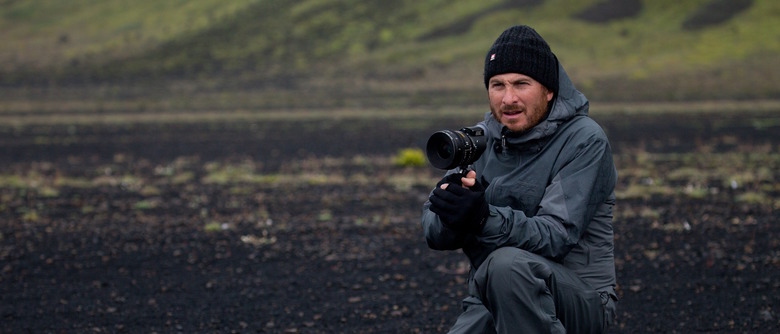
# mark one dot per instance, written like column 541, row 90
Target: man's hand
column 454, row 178
column 459, row 207
column 457, row 178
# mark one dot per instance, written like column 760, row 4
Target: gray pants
column 516, row 291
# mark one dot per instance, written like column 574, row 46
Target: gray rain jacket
column 550, row 192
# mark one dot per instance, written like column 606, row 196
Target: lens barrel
column 447, row 149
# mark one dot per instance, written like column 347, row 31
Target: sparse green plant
column 316, row 178
column 635, row 191
column 145, row 204
column 753, row 197
column 30, row 215
column 410, row 157
column 696, row 191
column 325, row 215
column 650, row 213
column 149, row 190
column 689, row 174
column 212, row 227
column 183, row 177
column 47, row 191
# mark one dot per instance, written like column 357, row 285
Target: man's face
column 518, row 101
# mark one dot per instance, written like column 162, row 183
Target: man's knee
column 509, row 260
column 474, row 319
column 509, row 267
column 501, row 261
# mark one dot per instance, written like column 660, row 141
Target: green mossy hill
column 614, row 49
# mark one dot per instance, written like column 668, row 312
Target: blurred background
column 145, row 55
column 256, row 165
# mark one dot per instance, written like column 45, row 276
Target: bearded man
column 534, row 212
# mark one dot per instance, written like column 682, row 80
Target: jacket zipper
column 503, row 141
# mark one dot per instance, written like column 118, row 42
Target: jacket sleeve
column 437, row 235
column 582, row 182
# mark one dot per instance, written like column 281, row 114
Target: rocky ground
column 310, row 227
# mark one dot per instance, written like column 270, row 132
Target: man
column 534, row 213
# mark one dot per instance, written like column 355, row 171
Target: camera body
column 447, row 149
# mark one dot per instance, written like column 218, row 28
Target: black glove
column 460, row 208
column 453, row 178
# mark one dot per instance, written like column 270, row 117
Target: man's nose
column 510, row 97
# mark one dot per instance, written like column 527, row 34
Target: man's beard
column 534, row 118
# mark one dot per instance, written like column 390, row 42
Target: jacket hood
column 566, row 104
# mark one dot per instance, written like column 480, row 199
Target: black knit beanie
column 520, row 49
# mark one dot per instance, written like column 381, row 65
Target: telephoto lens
column 447, row 149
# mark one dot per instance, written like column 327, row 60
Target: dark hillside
column 465, row 24
column 610, row 10
column 715, row 12
column 379, row 48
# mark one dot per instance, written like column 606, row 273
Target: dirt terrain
column 310, row 227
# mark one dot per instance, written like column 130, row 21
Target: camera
column 447, row 149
